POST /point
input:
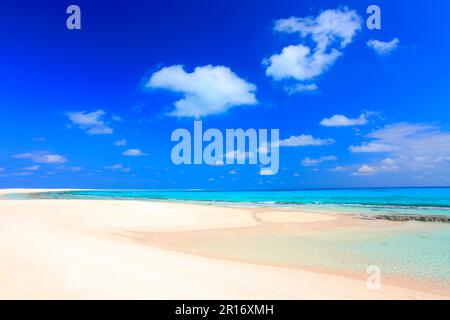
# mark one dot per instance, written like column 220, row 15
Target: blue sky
column 95, row 107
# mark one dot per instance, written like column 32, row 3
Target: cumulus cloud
column 91, row 122
column 206, row 91
column 331, row 31
column 118, row 167
column 383, row 48
column 310, row 162
column 297, row 61
column 365, row 170
column 339, row 120
column 303, row 141
column 120, row 143
column 42, row 157
column 134, row 153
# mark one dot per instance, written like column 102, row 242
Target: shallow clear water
column 420, row 201
column 414, row 251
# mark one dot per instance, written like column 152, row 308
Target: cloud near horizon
column 406, row 146
column 208, row 90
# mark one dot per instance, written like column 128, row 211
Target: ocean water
column 410, row 201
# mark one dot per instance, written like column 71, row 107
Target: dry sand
column 78, row 249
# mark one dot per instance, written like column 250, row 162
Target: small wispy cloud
column 42, row 157
column 22, row 173
column 90, row 122
column 383, row 48
column 310, row 87
column 32, row 168
column 339, row 120
column 239, row 155
column 118, row 167
column 303, row 141
column 310, row 162
column 266, row 172
column 71, row 169
column 134, row 153
column 120, row 143
column 372, row 147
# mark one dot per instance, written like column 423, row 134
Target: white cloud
column 299, row 63
column 303, row 141
column 118, row 167
column 339, row 120
column 134, row 153
column 42, row 157
column 22, row 173
column 310, row 162
column 383, row 48
column 239, row 155
column 389, row 161
column 266, row 172
column 32, row 168
column 91, row 122
column 365, row 170
column 39, row 139
column 331, row 31
column 407, row 146
column 300, row 87
column 207, row 90
column 372, row 147
column 120, row 143
column 72, row 169
column 232, row 172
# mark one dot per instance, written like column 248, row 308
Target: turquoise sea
column 415, row 201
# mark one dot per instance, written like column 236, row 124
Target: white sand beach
column 81, row 249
